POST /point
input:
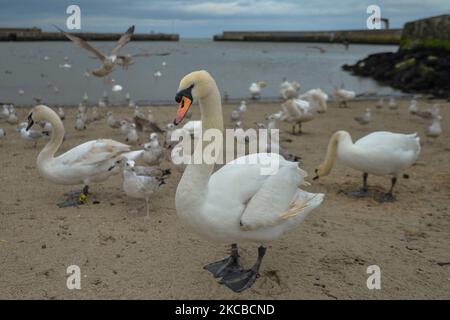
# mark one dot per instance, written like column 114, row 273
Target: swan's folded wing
column 94, row 152
column 275, row 201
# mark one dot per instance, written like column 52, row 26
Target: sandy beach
column 122, row 256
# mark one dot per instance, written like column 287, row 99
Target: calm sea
column 235, row 65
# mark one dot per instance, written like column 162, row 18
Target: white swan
column 379, row 153
column 86, row 163
column 237, row 203
column 342, row 96
column 317, row 98
column 297, row 111
column 288, row 90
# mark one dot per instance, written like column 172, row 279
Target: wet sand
column 123, row 256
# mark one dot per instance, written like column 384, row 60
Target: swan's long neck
column 340, row 140
column 196, row 176
column 56, row 138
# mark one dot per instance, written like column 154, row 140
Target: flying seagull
column 108, row 61
column 126, row 60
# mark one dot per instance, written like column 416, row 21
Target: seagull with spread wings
column 108, row 61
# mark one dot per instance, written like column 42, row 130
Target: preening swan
column 86, row 163
column 297, row 111
column 237, row 203
column 379, row 153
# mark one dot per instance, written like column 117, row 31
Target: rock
column 418, row 70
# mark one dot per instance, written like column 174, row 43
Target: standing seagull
column 108, row 62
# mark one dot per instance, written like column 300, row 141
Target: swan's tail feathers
column 303, row 204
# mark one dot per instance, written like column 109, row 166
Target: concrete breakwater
column 390, row 36
column 36, row 34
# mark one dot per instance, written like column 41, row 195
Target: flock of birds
column 236, row 203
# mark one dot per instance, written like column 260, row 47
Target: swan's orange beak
column 183, row 107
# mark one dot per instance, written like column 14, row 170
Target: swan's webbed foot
column 226, row 266
column 76, row 198
column 69, row 203
column 360, row 193
column 364, row 192
column 73, row 194
column 387, row 197
column 241, row 280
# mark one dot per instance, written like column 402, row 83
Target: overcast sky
column 203, row 18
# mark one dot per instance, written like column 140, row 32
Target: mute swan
column 342, row 96
column 2, row 133
column 435, row 129
column 317, row 98
column 365, row 118
column 236, row 203
column 289, row 89
column 379, row 153
column 86, row 163
column 297, row 111
column 140, row 187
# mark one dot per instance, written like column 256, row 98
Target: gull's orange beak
column 183, row 107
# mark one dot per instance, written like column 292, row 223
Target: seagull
column 4, row 114
column 380, row 104
column 393, row 105
column 80, row 123
column 108, row 61
column 365, row 118
column 153, row 153
column 126, row 60
column 435, row 129
column 139, row 186
column 322, row 50
column 31, row 134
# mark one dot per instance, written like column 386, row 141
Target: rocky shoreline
column 419, row 70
